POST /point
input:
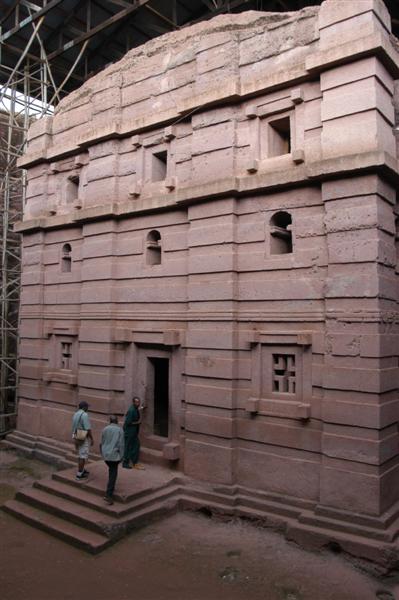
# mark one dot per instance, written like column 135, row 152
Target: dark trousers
column 112, row 475
column 132, row 446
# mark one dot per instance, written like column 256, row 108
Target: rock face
column 210, row 225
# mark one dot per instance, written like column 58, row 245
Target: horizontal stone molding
column 60, row 376
column 53, row 329
column 278, row 408
column 319, row 171
column 168, row 337
column 300, row 338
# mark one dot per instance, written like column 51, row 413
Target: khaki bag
column 80, row 434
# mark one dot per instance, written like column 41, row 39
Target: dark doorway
column 161, row 396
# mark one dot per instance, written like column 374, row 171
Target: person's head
column 83, row 406
column 136, row 401
column 113, row 419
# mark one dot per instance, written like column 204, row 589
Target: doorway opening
column 161, row 396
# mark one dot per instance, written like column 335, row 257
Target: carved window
column 281, row 375
column 284, row 373
column 159, row 165
column 281, row 233
column 62, row 356
column 279, row 136
column 153, row 248
column 72, row 189
column 66, row 355
column 66, row 258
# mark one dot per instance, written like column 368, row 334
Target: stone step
column 50, row 448
column 69, row 510
column 298, row 504
column 153, row 457
column 64, row 530
column 86, row 498
column 52, row 459
column 188, row 502
column 318, row 537
column 268, row 506
column 68, row 478
column 73, row 526
column 19, row 440
column 270, row 519
column 383, row 522
column 308, row 518
column 53, row 443
column 19, row 449
column 210, row 496
column 262, row 505
column 24, row 435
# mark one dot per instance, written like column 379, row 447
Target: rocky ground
column 183, row 557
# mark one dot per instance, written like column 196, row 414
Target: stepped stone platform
column 43, row 448
column 76, row 512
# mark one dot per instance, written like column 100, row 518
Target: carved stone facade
column 210, row 224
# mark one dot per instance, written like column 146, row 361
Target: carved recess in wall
column 281, row 374
column 276, row 129
column 63, row 347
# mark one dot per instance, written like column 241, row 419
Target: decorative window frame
column 266, row 401
column 58, row 335
column 262, row 115
column 146, row 147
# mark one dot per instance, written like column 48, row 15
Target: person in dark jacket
column 131, row 429
column 112, row 448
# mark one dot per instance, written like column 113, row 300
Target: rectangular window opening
column 72, row 189
column 279, row 137
column 159, row 165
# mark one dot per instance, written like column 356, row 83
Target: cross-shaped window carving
column 284, row 373
column 66, row 355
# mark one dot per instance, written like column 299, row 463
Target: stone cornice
column 304, row 174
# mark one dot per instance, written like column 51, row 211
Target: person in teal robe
column 131, row 427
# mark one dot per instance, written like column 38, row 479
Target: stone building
column 210, row 224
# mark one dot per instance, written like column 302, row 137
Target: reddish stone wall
column 260, row 149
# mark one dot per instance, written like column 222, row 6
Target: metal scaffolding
column 17, row 109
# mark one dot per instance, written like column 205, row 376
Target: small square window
column 159, row 166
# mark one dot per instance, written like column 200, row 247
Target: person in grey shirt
column 112, row 448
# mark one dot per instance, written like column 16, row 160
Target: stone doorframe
column 143, row 345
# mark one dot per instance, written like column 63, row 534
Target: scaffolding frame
column 18, row 108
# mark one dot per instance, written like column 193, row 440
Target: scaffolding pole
column 28, row 92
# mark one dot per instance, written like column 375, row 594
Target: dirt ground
column 183, row 557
